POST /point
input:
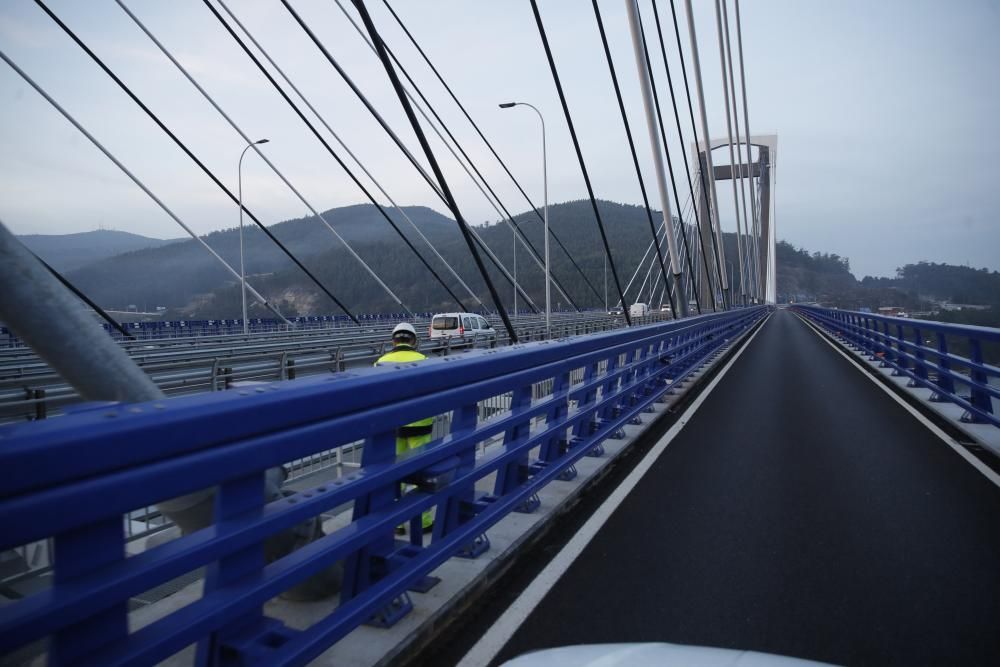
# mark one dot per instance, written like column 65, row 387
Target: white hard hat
column 404, row 327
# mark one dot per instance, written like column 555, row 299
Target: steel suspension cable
column 701, row 172
column 351, row 153
column 680, row 140
column 262, row 156
column 663, row 136
column 83, row 297
column 422, row 138
column 392, row 135
column 645, row 255
column 720, row 251
column 489, row 145
column 739, row 150
column 180, row 144
column 135, row 179
column 579, row 156
column 491, row 197
column 746, row 127
column 631, row 142
column 732, row 159
column 333, row 153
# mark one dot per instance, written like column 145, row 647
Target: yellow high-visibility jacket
column 405, row 354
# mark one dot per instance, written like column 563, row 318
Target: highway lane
column 802, row 512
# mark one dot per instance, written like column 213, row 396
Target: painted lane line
column 490, row 644
column 931, row 426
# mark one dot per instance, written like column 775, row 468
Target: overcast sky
column 885, row 114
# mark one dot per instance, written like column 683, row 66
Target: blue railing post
column 980, row 399
column 372, row 562
column 236, row 640
column 79, row 552
column 944, row 380
column 920, row 366
column 902, row 364
column 584, row 405
column 513, row 474
column 460, row 506
column 556, row 446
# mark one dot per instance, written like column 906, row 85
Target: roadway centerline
column 491, row 643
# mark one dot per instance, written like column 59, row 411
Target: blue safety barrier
column 901, row 343
column 73, row 479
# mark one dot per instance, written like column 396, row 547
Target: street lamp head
column 262, row 141
column 508, row 105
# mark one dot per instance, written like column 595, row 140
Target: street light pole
column 243, row 275
column 515, row 274
column 545, row 187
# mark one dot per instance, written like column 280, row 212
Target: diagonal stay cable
column 121, row 84
column 452, row 204
column 333, row 153
column 135, row 179
column 83, row 297
column 732, row 156
column 492, row 198
column 503, row 164
column 395, row 138
column 257, row 150
column 680, row 140
column 663, row 135
column 579, row 155
column 751, row 280
column 746, row 127
column 357, row 160
column 631, row 146
column 704, row 183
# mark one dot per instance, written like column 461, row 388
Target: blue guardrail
column 73, row 479
column 923, row 351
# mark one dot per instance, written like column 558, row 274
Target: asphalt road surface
column 802, row 512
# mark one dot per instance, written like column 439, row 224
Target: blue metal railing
column 903, row 345
column 159, row 329
column 73, row 478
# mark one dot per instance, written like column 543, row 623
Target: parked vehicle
column 638, row 309
column 463, row 325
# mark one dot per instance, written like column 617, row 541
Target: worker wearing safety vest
column 415, row 434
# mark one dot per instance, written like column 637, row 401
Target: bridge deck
column 802, row 512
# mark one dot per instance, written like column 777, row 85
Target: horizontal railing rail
column 73, row 479
column 30, row 389
column 922, row 350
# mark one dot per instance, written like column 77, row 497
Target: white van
column 462, row 325
column 638, row 310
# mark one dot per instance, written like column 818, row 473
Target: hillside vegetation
column 66, row 252
column 184, row 278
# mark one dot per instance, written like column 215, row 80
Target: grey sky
column 884, row 112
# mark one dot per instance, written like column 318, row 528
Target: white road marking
column 489, row 645
column 931, row 426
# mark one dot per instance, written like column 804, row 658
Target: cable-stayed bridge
column 799, row 481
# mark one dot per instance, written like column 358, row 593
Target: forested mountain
column 944, row 282
column 186, row 279
column 66, row 252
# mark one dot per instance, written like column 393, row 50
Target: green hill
column 66, row 252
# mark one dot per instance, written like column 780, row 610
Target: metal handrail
column 928, row 366
column 75, row 477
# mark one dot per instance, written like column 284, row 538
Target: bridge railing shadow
column 73, row 479
column 929, row 353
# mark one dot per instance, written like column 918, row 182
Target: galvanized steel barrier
column 73, row 479
column 930, row 362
